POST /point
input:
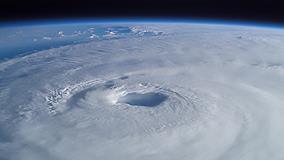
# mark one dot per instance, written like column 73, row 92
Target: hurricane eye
column 150, row 99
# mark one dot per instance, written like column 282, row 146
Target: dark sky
column 257, row 10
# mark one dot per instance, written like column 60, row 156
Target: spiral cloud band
column 181, row 91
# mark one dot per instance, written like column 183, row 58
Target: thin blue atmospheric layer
column 23, row 40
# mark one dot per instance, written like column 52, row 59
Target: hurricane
column 148, row 91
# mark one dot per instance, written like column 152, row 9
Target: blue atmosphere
column 25, row 37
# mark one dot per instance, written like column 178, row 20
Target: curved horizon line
column 113, row 20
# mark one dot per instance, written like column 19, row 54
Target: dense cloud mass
column 193, row 91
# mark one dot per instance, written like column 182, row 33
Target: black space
column 249, row 10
